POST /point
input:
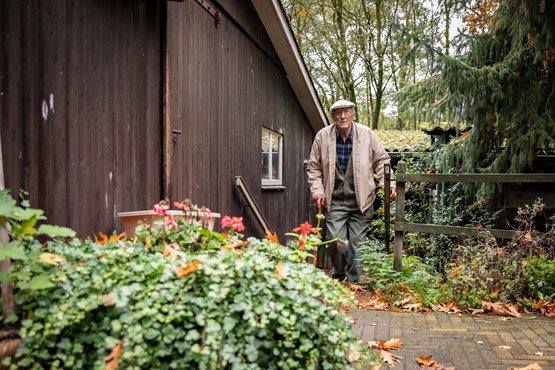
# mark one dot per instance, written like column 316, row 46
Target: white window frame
column 273, row 136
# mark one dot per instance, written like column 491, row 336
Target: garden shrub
column 202, row 305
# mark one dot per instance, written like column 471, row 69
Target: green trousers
column 347, row 223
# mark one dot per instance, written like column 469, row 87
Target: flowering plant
column 309, row 238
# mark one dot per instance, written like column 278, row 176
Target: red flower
column 160, row 209
column 301, row 244
column 235, row 223
column 170, row 222
column 305, row 229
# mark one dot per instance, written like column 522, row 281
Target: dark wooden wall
column 225, row 84
column 96, row 150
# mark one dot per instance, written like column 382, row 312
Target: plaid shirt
column 343, row 150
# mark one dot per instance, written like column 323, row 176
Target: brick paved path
column 455, row 340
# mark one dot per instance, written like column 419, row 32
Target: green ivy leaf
column 7, row 203
column 21, row 214
column 40, row 282
column 56, row 231
column 13, row 250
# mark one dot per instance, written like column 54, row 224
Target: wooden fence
column 401, row 226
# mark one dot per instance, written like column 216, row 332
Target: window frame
column 269, row 183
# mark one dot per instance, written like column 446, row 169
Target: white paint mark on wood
column 44, row 110
column 110, row 176
column 52, row 103
column 106, row 199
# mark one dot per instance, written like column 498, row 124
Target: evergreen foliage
column 504, row 86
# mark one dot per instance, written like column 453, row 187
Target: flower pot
column 130, row 220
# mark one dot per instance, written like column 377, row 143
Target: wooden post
column 5, row 264
column 386, row 206
column 399, row 216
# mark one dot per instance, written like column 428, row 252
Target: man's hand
column 393, row 192
column 319, row 200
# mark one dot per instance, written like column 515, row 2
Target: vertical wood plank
column 386, row 206
column 399, row 216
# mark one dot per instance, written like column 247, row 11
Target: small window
column 272, row 158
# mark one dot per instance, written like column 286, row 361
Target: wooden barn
column 109, row 106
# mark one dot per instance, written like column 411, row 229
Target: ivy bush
column 201, row 303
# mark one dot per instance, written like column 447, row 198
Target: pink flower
column 170, row 222
column 235, row 223
column 175, row 246
column 160, row 209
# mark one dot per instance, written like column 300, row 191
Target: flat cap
column 341, row 104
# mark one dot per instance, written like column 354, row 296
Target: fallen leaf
column 476, row 311
column 236, row 245
column 377, row 367
column 191, row 267
column 51, row 259
column 505, row 347
column 533, row 366
column 346, row 308
column 480, row 342
column 281, row 271
column 411, row 307
column 373, row 344
column 427, row 361
column 113, row 357
column 356, row 287
column 272, row 236
column 389, row 358
column 501, row 308
column 450, row 307
column 393, row 343
column 495, row 292
column 539, row 353
column 377, row 302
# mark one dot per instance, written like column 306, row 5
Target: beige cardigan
column 368, row 158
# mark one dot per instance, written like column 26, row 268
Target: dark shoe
column 339, row 277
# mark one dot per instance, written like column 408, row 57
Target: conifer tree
column 504, row 86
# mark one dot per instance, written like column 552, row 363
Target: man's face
column 343, row 117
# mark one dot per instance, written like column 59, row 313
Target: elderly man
column 343, row 160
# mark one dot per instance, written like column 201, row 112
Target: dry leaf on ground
column 389, row 358
column 51, row 259
column 505, row 347
column 356, row 287
column 392, row 344
column 533, row 366
column 430, row 362
column 376, row 302
column 502, row 308
column 539, row 353
column 450, row 307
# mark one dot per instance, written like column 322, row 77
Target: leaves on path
column 546, row 308
column 356, row 287
column 450, row 307
column 430, row 362
column 392, row 344
column 389, row 358
column 533, row 366
column 376, row 302
column 501, row 308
